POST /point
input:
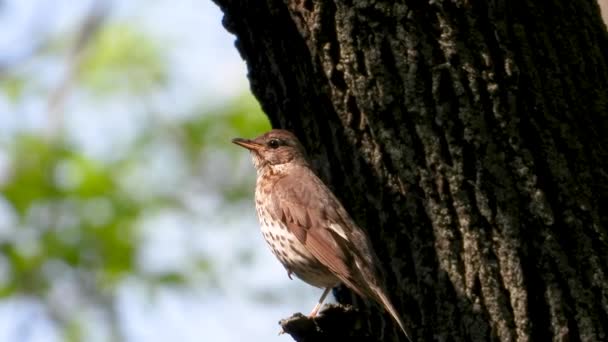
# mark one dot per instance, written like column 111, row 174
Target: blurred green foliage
column 76, row 210
column 73, row 215
column 13, row 87
column 122, row 59
column 238, row 118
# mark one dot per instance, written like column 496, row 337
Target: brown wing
column 308, row 208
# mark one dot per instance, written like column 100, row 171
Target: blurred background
column 125, row 212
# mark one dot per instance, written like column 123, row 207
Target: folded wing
column 318, row 220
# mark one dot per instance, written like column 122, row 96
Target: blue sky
column 205, row 67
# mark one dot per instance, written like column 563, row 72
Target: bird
column 307, row 227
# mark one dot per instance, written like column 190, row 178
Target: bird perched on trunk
column 306, row 226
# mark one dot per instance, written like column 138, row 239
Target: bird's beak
column 248, row 144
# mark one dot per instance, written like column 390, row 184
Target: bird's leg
column 318, row 306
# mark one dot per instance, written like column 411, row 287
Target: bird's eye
column 274, row 143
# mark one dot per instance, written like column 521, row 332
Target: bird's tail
column 386, row 303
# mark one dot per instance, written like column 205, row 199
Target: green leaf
column 31, row 175
column 13, row 87
column 171, row 278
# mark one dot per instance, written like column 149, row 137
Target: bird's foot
column 334, row 320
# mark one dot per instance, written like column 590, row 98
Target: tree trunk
column 469, row 138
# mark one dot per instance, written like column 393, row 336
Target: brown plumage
column 306, row 226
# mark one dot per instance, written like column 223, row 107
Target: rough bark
column 469, row 138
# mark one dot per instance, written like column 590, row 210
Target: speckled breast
column 291, row 252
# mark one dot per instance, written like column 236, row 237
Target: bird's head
column 274, row 148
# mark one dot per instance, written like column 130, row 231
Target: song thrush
column 307, row 227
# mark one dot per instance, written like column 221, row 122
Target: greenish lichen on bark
column 469, row 138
